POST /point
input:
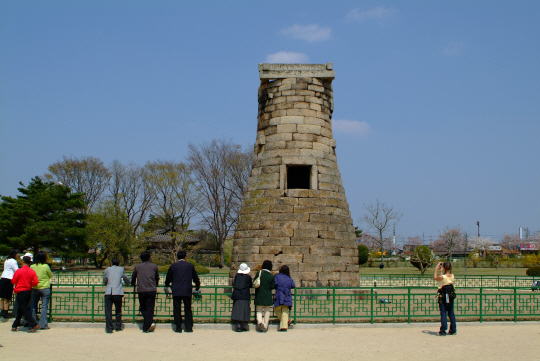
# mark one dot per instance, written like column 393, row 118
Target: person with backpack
column 446, row 295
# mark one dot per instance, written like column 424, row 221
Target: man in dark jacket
column 181, row 274
column 146, row 277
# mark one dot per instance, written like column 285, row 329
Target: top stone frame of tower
column 269, row 72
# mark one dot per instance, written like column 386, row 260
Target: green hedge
column 533, row 271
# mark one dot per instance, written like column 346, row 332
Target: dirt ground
column 379, row 342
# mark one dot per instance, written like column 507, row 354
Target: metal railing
column 76, row 279
column 462, row 281
column 405, row 304
column 86, row 279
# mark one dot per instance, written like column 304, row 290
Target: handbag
column 257, row 281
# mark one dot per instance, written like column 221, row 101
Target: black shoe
column 189, row 330
column 119, row 328
column 442, row 333
column 238, row 329
column 108, row 331
column 452, row 333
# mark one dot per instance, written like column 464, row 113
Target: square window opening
column 299, row 177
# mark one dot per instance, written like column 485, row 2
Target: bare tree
column 511, row 242
column 220, row 170
column 379, row 218
column 86, row 175
column 449, row 242
column 130, row 190
column 175, row 199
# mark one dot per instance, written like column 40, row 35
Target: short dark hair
column 181, row 254
column 447, row 266
column 115, row 262
column 27, row 259
column 13, row 253
column 267, row 265
column 41, row 257
column 145, row 256
column 285, row 270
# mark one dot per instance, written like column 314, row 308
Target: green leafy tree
column 363, row 254
column 422, row 257
column 110, row 234
column 47, row 215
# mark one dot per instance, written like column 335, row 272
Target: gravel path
column 474, row 341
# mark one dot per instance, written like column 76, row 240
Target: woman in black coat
column 241, row 311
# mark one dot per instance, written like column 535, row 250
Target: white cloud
column 379, row 14
column 309, row 32
column 454, row 49
column 353, row 127
column 287, row 57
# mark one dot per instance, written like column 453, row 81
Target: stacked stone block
column 310, row 229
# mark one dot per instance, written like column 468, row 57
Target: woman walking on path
column 42, row 290
column 6, row 287
column 263, row 295
column 241, row 296
column 283, row 297
column 446, row 296
column 24, row 278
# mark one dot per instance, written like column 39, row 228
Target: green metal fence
column 462, row 281
column 75, row 279
column 78, row 279
column 406, row 304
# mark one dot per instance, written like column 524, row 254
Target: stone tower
column 295, row 211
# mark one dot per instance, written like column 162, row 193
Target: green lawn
column 456, row 271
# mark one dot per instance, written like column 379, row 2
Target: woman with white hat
column 241, row 311
column 6, row 287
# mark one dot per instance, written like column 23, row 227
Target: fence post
column 481, row 296
column 215, row 304
column 134, row 304
column 50, row 303
column 515, row 304
column 93, row 301
column 371, row 305
column 409, row 305
column 334, row 305
column 294, row 304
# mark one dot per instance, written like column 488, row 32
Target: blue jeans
column 45, row 295
column 447, row 308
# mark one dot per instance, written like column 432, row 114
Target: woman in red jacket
column 24, row 279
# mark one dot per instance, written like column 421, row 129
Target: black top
column 181, row 274
column 242, row 283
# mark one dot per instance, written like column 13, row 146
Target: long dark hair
column 285, row 270
column 41, row 257
column 13, row 253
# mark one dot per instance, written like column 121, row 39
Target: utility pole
column 478, row 224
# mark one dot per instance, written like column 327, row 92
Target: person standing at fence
column 42, row 290
column 146, row 277
column 114, row 293
column 241, row 296
column 24, row 279
column 263, row 295
column 283, row 297
column 6, row 287
column 181, row 274
column 446, row 296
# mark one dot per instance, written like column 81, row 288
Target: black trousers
column 23, row 299
column 177, row 312
column 109, row 300
column 147, row 302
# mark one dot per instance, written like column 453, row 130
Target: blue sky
column 436, row 103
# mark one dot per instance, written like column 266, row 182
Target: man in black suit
column 181, row 274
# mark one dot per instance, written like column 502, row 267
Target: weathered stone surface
column 309, row 228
